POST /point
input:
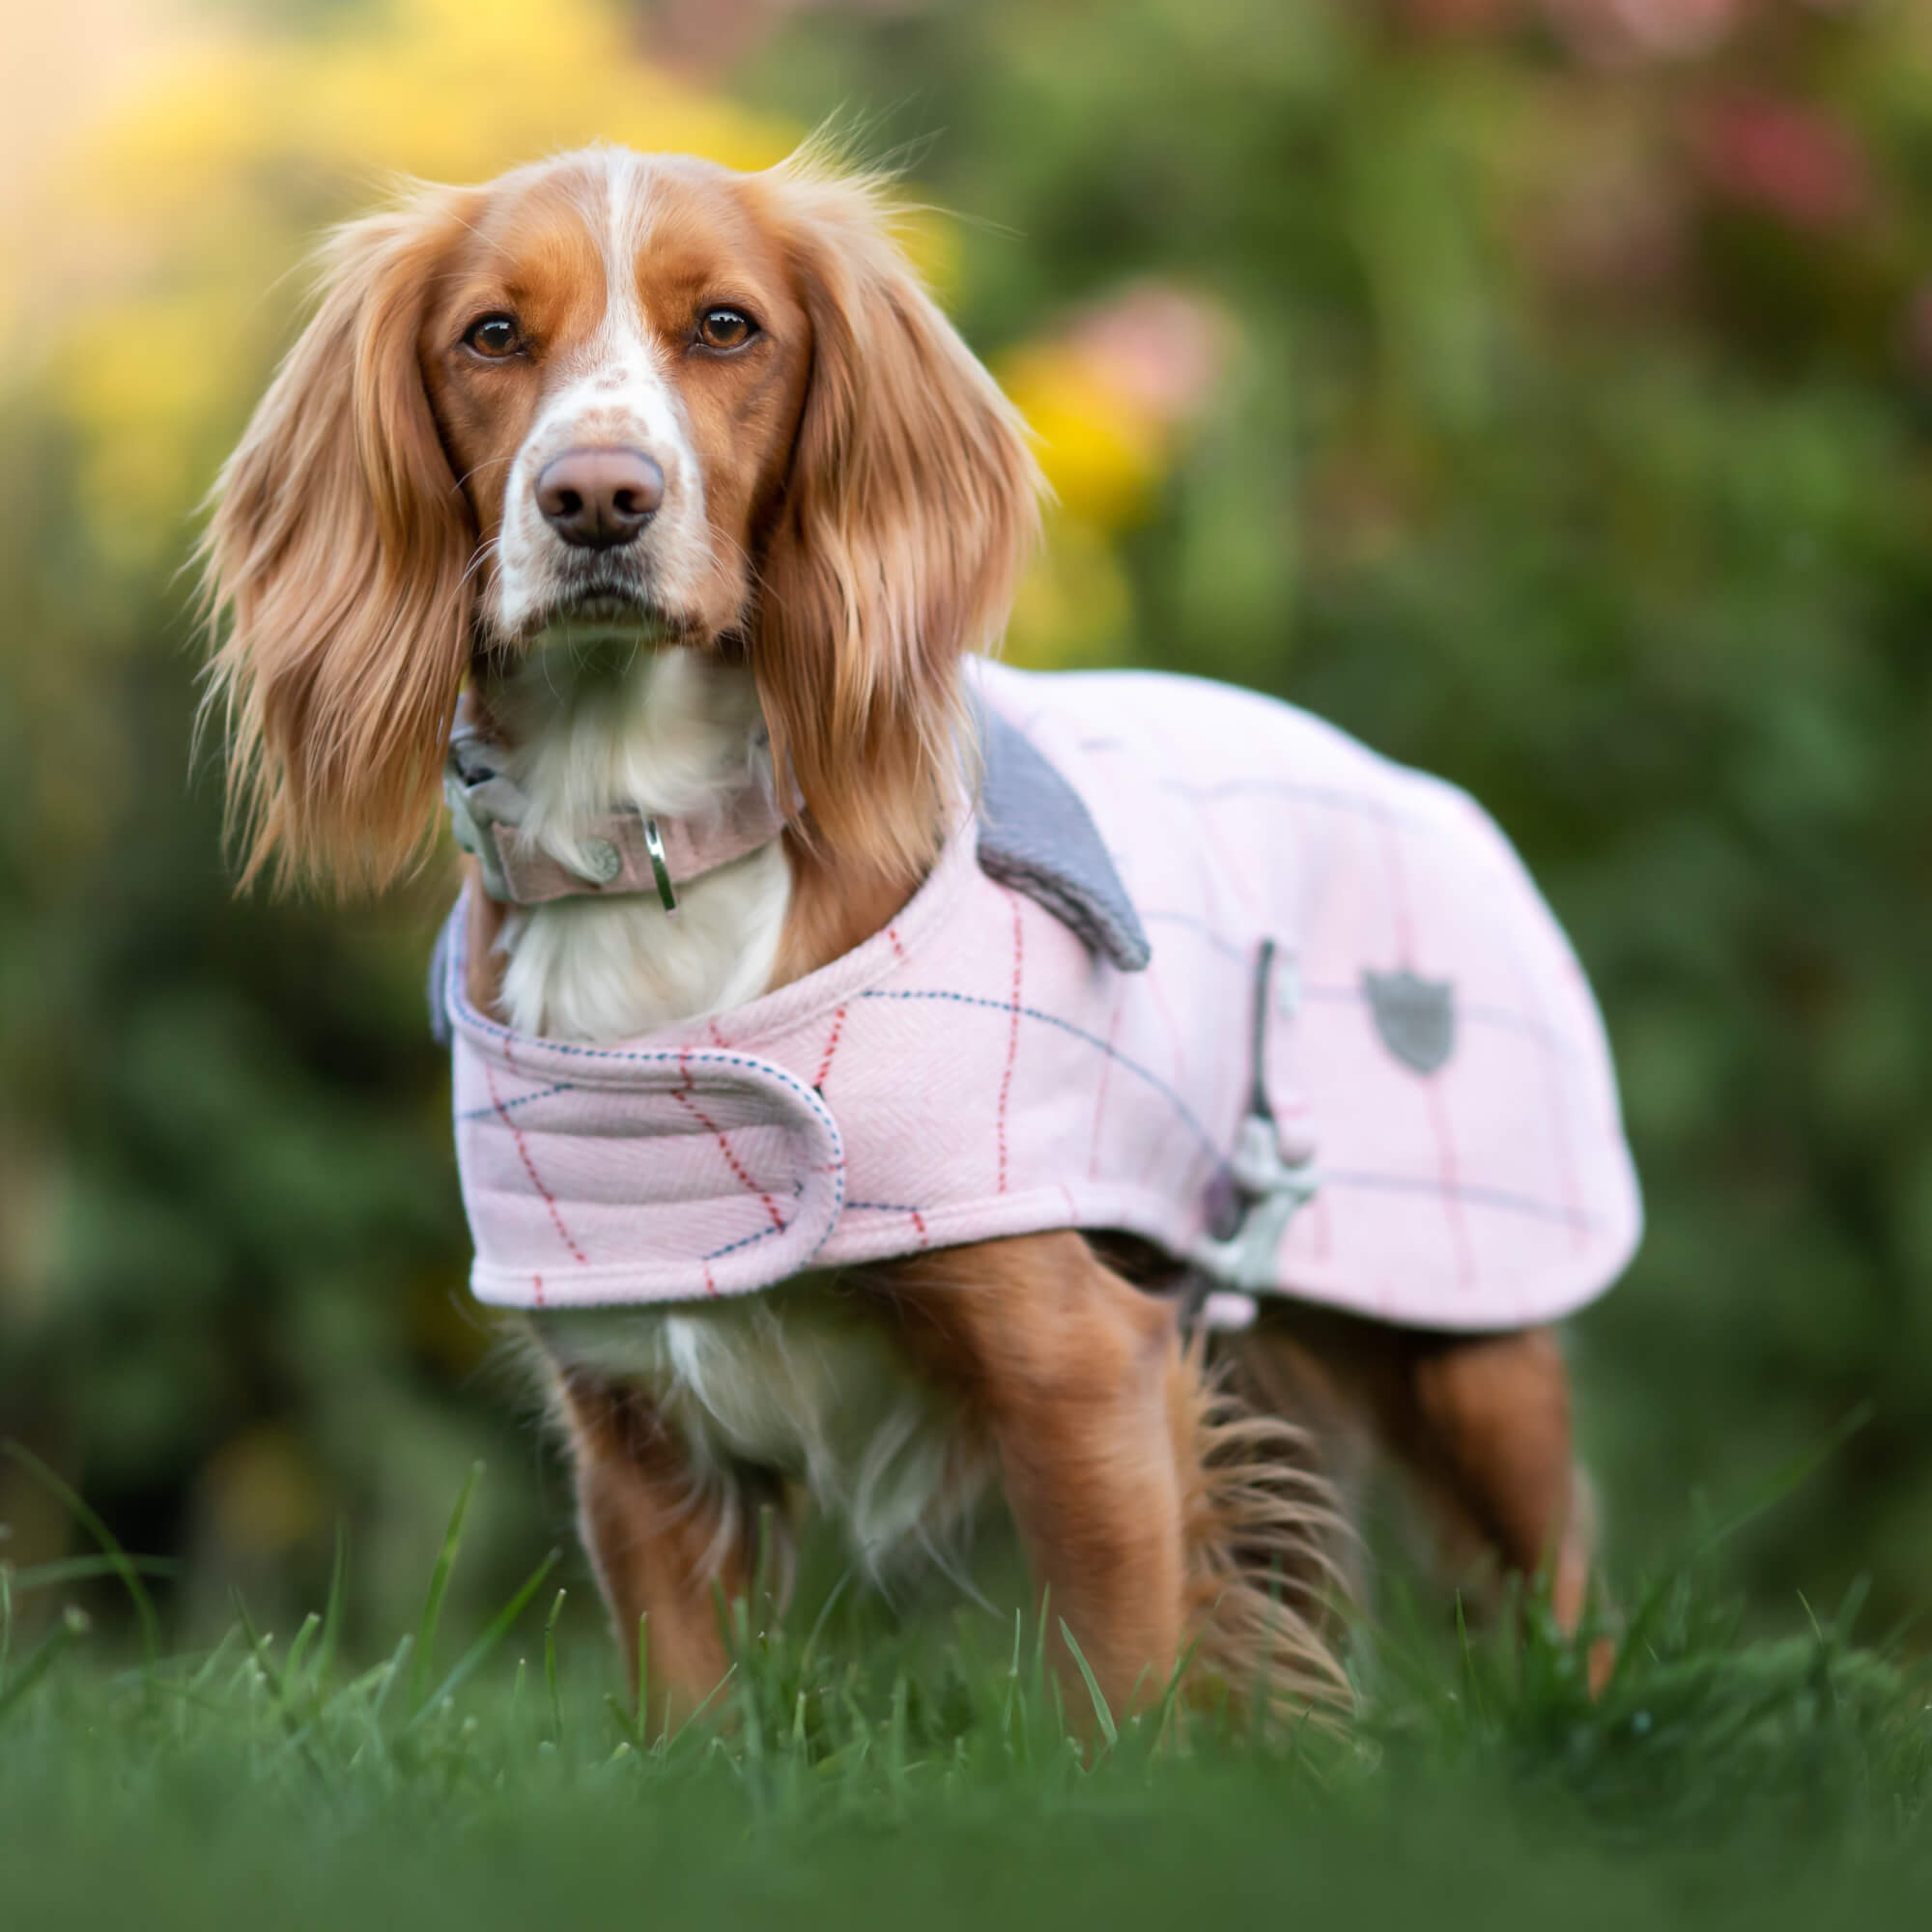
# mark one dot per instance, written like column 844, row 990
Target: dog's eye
column 725, row 329
column 493, row 336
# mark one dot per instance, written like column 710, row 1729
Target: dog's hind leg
column 1487, row 1432
column 662, row 1543
column 1481, row 1422
column 1154, row 1513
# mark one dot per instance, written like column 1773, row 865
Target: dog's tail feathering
column 1268, row 1552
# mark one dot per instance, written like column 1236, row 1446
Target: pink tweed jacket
column 1362, row 1065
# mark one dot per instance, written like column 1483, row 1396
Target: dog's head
column 610, row 392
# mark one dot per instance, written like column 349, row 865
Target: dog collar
column 624, row 853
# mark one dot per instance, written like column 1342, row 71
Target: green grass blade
column 438, row 1586
column 1170, row 1697
column 1789, row 1477
column 299, row 1649
column 334, row 1610
column 818, row 1624
column 83, row 1568
column 71, row 1626
column 1086, row 1677
column 698, row 1708
column 117, row 1558
column 1011, row 1690
column 641, row 1717
column 550, row 1669
column 494, row 1634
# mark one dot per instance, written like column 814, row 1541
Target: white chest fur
column 799, row 1382
column 664, row 730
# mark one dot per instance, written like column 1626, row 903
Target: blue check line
column 541, row 1094
column 1092, row 1040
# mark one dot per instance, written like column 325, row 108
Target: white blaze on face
column 615, row 392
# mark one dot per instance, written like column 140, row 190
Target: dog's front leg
column 1077, row 1379
column 661, row 1542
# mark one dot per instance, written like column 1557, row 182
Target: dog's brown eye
column 493, row 336
column 725, row 329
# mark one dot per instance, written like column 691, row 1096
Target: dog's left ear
column 336, row 573
column 910, row 503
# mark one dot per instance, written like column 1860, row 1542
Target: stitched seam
column 744, row 1242
column 831, row 1047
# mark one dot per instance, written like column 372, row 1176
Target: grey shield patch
column 1415, row 1017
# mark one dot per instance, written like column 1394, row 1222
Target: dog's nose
column 599, row 497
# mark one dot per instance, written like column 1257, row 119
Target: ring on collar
column 660, row 866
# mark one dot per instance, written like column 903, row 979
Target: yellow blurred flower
column 1110, row 391
column 1102, row 453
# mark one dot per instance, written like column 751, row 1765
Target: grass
column 854, row 1771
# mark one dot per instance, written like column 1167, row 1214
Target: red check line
column 737, row 1167
column 530, row 1166
column 1012, row 1036
column 898, row 950
column 919, row 1222
column 536, row 1290
column 831, row 1047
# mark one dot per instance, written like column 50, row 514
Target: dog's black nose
column 599, row 497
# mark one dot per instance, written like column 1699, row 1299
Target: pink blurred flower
column 1784, row 158
column 1161, row 346
column 1621, row 30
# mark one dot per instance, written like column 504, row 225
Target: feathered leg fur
column 1479, row 1423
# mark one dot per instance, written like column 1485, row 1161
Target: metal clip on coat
column 1270, row 1184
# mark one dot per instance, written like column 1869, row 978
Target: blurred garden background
column 1542, row 389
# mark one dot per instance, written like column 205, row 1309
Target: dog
column 653, row 518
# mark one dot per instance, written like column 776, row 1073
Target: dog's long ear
column 910, row 503
column 335, row 573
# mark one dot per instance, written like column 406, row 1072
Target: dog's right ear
column 911, row 503
column 335, row 571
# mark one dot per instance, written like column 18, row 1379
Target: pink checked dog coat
column 1220, row 978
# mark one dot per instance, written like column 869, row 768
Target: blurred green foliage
column 1568, row 436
